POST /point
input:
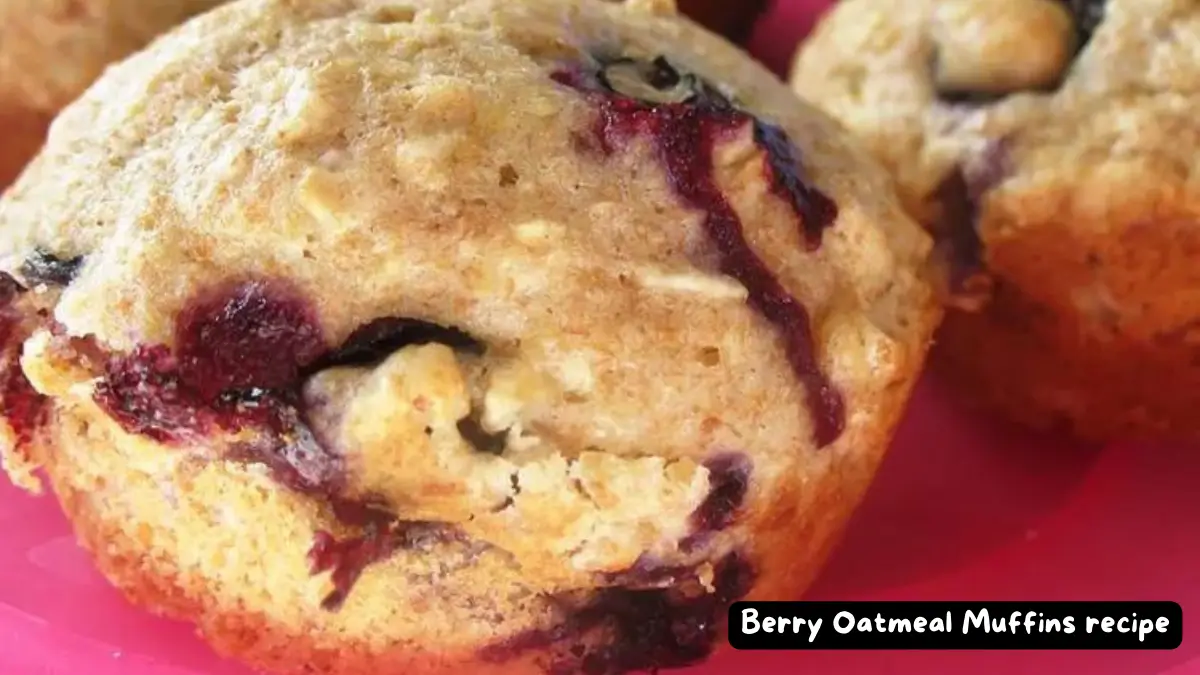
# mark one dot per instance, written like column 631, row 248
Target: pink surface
column 964, row 509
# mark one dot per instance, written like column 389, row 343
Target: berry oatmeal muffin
column 51, row 50
column 430, row 336
column 1050, row 147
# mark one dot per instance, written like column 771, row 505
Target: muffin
column 51, row 50
column 434, row 336
column 1049, row 147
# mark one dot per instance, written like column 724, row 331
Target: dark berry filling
column 728, row 480
column 20, row 404
column 956, row 229
column 241, row 356
column 142, row 391
column 620, row 630
column 647, row 573
column 685, row 134
column 379, row 339
column 237, row 366
column 254, row 335
column 1088, row 14
column 815, row 210
column 23, row 407
column 347, row 559
column 43, row 267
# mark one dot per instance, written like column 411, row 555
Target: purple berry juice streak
column 728, row 483
column 237, row 365
column 684, row 136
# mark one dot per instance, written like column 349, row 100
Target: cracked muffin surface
column 1048, row 145
column 51, row 50
column 521, row 337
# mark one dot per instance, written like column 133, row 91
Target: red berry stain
column 23, row 407
column 20, row 404
column 685, row 135
column 142, row 391
column 240, row 359
column 254, row 335
column 238, row 363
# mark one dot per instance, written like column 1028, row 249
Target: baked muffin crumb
column 426, row 345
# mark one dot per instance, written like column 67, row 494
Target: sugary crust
column 51, row 50
column 1089, row 226
column 416, row 159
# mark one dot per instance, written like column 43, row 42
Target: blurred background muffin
column 51, row 50
column 1050, row 148
column 734, row 19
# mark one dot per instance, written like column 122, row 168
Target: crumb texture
column 349, row 333
column 1048, row 145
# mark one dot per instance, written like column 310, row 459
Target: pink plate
column 964, row 509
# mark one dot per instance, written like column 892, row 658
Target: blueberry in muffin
column 1049, row 146
column 434, row 336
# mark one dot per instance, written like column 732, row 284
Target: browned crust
column 1093, row 328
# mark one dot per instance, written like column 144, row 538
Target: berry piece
column 43, row 267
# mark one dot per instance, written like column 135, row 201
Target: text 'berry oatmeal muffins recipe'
column 446, row 336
